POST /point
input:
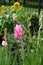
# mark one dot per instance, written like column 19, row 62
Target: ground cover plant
column 21, row 36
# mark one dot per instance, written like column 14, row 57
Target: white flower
column 4, row 43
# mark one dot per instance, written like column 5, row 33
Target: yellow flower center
column 16, row 5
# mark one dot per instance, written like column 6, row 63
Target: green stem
column 22, row 51
column 38, row 37
column 5, row 31
column 38, row 43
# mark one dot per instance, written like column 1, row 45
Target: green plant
column 34, row 24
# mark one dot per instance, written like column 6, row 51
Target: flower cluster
column 18, row 31
column 15, row 5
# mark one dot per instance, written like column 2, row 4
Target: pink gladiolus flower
column 18, row 31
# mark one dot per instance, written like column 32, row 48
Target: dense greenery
column 28, row 50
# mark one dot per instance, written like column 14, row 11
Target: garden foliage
column 23, row 39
